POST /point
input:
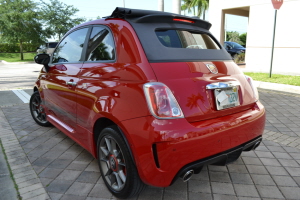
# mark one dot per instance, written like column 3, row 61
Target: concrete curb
column 277, row 87
column 12, row 63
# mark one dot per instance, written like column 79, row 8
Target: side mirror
column 43, row 59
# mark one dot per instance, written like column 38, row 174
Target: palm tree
column 197, row 7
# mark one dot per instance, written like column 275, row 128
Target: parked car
column 47, row 48
column 153, row 95
column 234, row 49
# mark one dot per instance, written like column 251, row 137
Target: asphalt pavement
column 46, row 164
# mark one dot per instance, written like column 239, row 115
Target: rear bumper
column 164, row 149
column 220, row 159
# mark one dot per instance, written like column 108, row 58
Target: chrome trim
column 219, row 85
column 65, row 126
column 71, row 83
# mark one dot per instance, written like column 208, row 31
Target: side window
column 70, row 48
column 101, row 45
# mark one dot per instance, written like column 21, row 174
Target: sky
column 91, row 9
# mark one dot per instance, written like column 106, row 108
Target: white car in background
column 47, row 48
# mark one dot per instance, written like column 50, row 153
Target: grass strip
column 16, row 57
column 276, row 78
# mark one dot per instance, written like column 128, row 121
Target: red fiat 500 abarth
column 152, row 95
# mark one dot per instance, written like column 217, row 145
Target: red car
column 153, row 95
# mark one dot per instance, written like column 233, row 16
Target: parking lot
column 47, row 164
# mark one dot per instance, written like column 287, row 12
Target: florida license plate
column 226, row 98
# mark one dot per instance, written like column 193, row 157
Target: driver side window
column 70, row 48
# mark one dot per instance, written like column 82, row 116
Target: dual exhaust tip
column 187, row 175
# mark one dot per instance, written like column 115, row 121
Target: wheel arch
column 103, row 123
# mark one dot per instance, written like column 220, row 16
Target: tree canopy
column 19, row 22
column 33, row 22
column 59, row 17
column 197, row 7
column 234, row 36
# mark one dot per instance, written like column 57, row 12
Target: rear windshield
column 170, row 41
column 185, row 39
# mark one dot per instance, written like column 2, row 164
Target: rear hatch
column 198, row 91
column 191, row 62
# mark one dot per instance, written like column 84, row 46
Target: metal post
column 270, row 75
column 124, row 3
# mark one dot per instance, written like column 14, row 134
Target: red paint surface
column 115, row 91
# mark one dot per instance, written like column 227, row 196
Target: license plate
column 226, row 98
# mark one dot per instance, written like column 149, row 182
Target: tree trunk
column 21, row 50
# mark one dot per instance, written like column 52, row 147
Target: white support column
column 160, row 5
column 177, row 6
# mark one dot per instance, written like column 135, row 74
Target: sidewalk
column 7, row 189
column 46, row 164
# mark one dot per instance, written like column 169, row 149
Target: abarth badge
column 212, row 68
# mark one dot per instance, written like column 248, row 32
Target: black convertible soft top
column 146, row 22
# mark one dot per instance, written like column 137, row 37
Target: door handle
column 71, row 83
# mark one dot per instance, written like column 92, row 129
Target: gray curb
column 277, row 87
column 14, row 63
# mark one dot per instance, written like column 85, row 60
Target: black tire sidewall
column 132, row 177
column 36, row 93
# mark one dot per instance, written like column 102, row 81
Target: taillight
column 161, row 101
column 254, row 89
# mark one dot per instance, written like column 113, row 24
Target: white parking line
column 22, row 95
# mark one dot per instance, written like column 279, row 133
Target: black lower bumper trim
column 221, row 159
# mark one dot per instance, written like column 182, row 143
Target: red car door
column 60, row 84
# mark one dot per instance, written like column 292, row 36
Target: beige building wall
column 260, row 32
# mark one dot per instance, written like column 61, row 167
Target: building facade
column 261, row 16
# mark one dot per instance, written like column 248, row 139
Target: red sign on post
column 277, row 4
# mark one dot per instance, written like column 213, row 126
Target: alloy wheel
column 112, row 163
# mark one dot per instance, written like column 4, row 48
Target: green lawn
column 16, row 57
column 276, row 78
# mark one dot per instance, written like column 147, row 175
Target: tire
column 117, row 169
column 37, row 110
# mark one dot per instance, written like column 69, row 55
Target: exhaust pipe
column 188, row 175
column 256, row 145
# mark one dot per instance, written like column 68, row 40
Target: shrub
column 239, row 58
column 15, row 48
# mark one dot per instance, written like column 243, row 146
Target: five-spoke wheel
column 116, row 165
column 37, row 110
column 112, row 163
